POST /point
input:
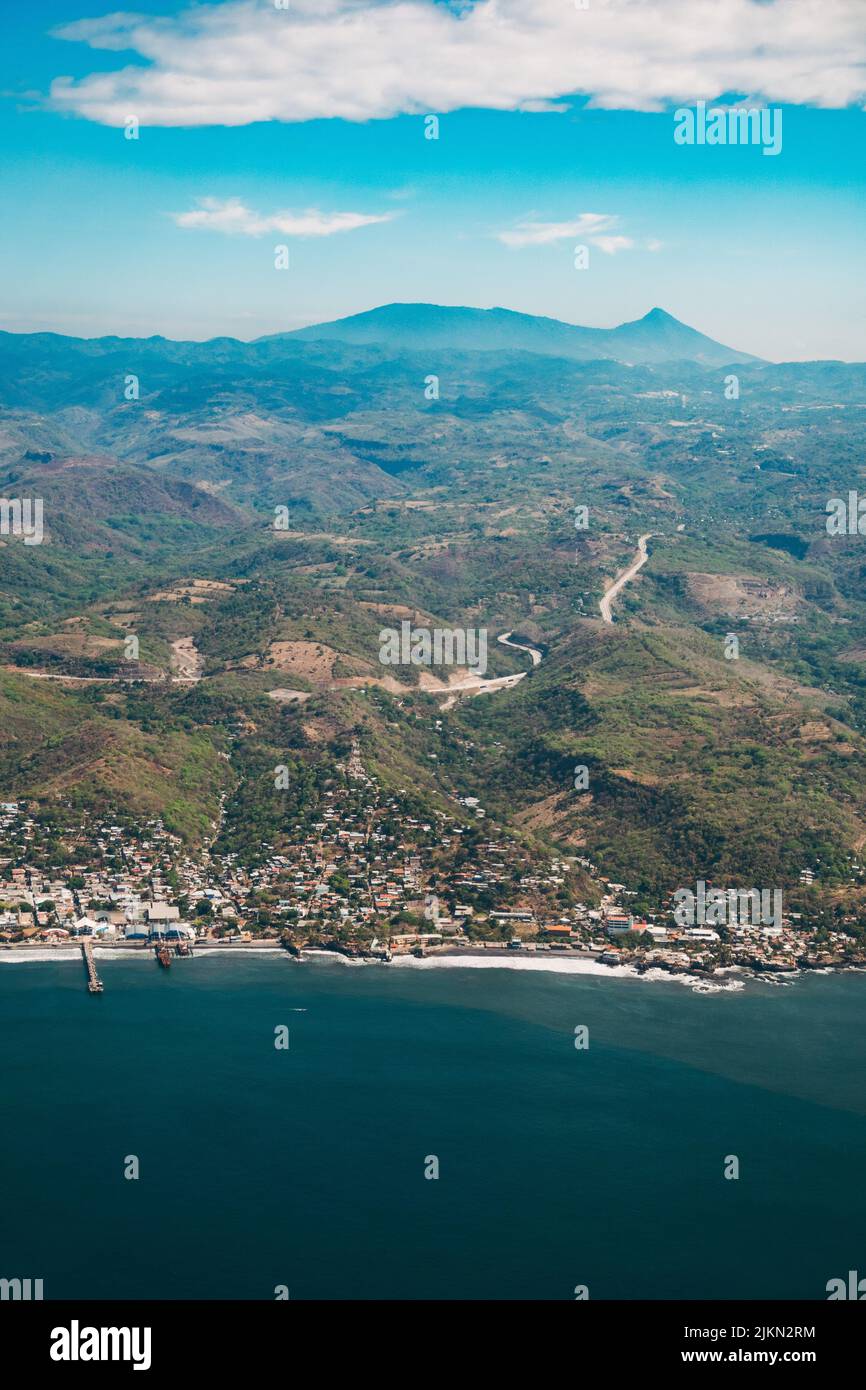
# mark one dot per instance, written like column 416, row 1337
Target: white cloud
column 245, row 60
column 611, row 244
column 232, row 216
column 595, row 227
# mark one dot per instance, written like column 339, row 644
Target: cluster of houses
column 366, row 876
column 358, row 871
column 749, row 939
column 118, row 890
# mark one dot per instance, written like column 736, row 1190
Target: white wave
column 204, row 952
column 10, row 957
column 125, row 952
column 561, row 965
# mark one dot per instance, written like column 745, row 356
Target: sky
column 262, row 125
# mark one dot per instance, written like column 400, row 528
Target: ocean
column 303, row 1168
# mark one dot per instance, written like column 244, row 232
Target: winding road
column 186, row 661
column 620, row 583
column 505, row 639
column 480, row 685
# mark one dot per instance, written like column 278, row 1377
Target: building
column 159, row 914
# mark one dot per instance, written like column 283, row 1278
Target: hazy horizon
column 258, row 127
column 370, row 309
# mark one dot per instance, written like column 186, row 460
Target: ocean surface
column 305, row 1167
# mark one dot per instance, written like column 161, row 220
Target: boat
column 163, row 955
column 182, row 948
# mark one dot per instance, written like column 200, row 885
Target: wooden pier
column 94, row 984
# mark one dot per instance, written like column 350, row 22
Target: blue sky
column 761, row 252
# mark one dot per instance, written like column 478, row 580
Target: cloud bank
column 235, row 63
column 598, row 228
column 233, row 217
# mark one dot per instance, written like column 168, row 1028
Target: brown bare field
column 199, row 591
column 322, row 536
column 397, row 610
column 314, row 661
column 289, row 697
column 546, row 814
column 728, row 698
column 742, row 596
column 814, row 732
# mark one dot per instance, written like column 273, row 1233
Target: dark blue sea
column 305, row 1167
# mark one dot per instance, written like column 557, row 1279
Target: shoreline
column 726, row 980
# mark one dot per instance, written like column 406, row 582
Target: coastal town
column 370, row 882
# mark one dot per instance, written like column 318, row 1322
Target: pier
column 94, row 984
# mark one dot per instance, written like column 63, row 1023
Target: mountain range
column 160, row 511
column 656, row 338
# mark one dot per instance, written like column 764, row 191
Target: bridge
column 94, row 984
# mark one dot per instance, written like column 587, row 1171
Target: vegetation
column 159, row 521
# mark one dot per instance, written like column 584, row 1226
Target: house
column 617, row 922
column 109, row 916
column 162, row 912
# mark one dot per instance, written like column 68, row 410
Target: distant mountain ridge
column 657, row 337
